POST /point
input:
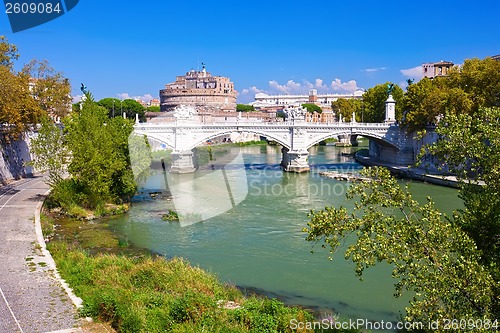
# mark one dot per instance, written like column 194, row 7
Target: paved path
column 31, row 300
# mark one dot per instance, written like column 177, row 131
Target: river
column 259, row 244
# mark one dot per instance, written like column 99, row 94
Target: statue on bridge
column 184, row 112
column 295, row 113
column 390, row 88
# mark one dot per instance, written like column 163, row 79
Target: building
column 497, row 57
column 435, row 69
column 278, row 102
column 140, row 101
column 154, row 102
column 208, row 94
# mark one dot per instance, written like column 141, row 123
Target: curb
column 77, row 301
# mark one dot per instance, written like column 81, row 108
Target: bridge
column 296, row 137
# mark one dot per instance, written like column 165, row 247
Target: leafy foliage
column 49, row 88
column 8, row 53
column 480, row 79
column 100, row 158
column 153, row 109
column 117, row 107
column 113, row 105
column 28, row 96
column 311, row 108
column 244, row 108
column 470, row 145
column 151, row 294
column 346, row 107
column 374, row 103
column 431, row 255
column 474, row 85
column 17, row 107
column 49, row 151
column 132, row 107
column 428, row 100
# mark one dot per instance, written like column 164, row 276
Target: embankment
column 410, row 172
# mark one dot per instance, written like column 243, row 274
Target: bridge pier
column 347, row 140
column 295, row 161
column 182, row 162
column 354, row 140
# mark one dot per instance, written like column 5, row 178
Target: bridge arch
column 372, row 136
column 156, row 137
column 269, row 135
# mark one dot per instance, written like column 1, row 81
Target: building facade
column 278, row 102
column 208, row 94
column 435, row 69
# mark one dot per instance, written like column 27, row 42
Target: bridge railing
column 263, row 124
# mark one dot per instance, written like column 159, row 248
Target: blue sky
column 129, row 48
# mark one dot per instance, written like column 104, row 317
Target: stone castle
column 208, row 94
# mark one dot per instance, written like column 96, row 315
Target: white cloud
column 319, row 84
column 413, row 73
column 371, row 70
column 349, row 86
column 290, row 87
column 253, row 90
column 77, row 98
column 124, row 96
column 303, row 88
column 145, row 97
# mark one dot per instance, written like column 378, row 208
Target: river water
column 259, row 244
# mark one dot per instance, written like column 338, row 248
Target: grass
column 132, row 290
column 151, row 294
column 47, row 223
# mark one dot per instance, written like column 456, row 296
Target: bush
column 151, row 294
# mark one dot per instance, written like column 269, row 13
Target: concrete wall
column 13, row 158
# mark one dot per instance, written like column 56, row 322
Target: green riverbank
column 136, row 291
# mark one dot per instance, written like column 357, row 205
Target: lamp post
column 362, row 111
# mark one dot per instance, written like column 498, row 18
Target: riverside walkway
column 31, row 298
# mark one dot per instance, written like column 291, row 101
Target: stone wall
column 410, row 147
column 13, row 158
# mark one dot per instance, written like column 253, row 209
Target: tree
column 244, row 108
column 346, row 107
column 50, row 152
column 431, row 255
column 480, row 79
column 470, row 146
column 116, row 107
column 153, row 108
column 113, row 105
column 100, row 163
column 8, row 53
column 374, row 103
column 132, row 107
column 49, row 88
column 18, row 109
column 27, row 96
column 429, row 100
column 311, row 108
